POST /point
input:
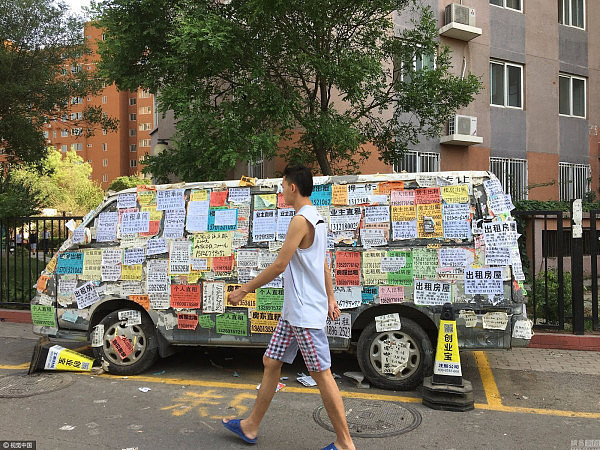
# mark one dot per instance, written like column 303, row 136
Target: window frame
column 566, row 191
column 569, row 3
column 420, row 159
column 505, row 173
column 506, row 65
column 571, row 78
column 508, row 7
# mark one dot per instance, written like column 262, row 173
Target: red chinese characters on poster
column 122, row 346
column 185, row 296
column 222, row 264
column 347, row 268
column 186, row 321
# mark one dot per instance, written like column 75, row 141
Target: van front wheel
column 396, row 360
column 141, row 336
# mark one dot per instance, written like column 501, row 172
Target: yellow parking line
column 15, row 367
column 487, row 377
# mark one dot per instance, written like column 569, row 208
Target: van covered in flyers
column 151, row 268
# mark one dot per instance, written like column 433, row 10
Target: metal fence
column 562, row 273
column 27, row 245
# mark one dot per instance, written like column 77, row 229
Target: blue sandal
column 234, row 426
column 330, row 447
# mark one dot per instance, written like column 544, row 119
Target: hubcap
column 394, row 355
column 134, row 334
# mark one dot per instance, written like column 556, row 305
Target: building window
column 104, row 99
column 103, row 37
column 132, row 162
column 76, row 100
column 77, row 147
column 105, row 162
column 104, row 132
column 54, row 133
column 572, row 13
column 512, row 173
column 89, row 145
column 573, row 180
column 132, row 101
column 145, row 94
column 76, row 116
column 76, row 131
column 145, row 110
column 403, row 70
column 506, row 84
column 46, row 134
column 144, row 143
column 75, row 69
column 63, row 148
column 413, row 161
column 132, row 116
column 104, row 84
column 571, row 95
column 145, row 126
column 105, row 178
column 64, row 133
column 104, row 146
column 132, row 132
column 132, row 148
column 510, row 4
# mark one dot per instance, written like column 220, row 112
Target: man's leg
column 334, row 405
column 265, row 395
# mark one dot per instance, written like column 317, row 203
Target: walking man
column 308, row 300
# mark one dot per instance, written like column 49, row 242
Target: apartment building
column 535, row 121
column 111, row 153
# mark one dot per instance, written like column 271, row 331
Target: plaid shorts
column 312, row 342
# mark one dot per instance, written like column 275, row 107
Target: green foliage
column 311, row 80
column 126, row 182
column 39, row 43
column 65, row 182
column 546, row 306
column 17, row 199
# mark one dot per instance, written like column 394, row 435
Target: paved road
column 524, row 398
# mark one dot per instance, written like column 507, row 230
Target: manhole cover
column 37, row 383
column 367, row 418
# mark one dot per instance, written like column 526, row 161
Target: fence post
column 577, row 265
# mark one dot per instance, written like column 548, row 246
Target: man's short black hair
column 301, row 176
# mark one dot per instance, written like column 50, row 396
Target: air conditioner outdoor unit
column 460, row 14
column 466, row 125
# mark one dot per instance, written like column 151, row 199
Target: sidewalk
column 540, row 340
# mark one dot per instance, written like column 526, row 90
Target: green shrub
column 552, row 299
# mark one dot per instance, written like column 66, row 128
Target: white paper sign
column 387, row 322
column 169, row 199
column 98, row 335
column 156, row 246
column 392, row 263
column 496, row 320
column 225, row 217
column 157, row 278
column 239, row 195
column 340, row 327
column 429, row 292
column 454, row 257
column 86, row 295
column 127, row 200
column 179, row 257
column 284, row 217
column 132, row 317
column 348, row 296
column 404, row 230
column 197, row 216
column 213, row 297
column 159, row 301
column 377, row 214
column 106, row 230
column 522, row 329
column 134, row 255
column 483, row 281
column 247, row 258
column 79, row 235
column 497, row 256
column 344, row 219
column 135, row 222
column 372, row 237
column 66, row 287
column 469, row 317
column 173, row 224
column 264, row 225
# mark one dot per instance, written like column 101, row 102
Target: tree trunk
column 321, row 155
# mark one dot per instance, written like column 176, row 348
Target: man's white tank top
column 305, row 298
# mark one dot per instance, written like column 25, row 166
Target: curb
column 15, row 315
column 565, row 342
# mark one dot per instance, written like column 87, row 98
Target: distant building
column 114, row 153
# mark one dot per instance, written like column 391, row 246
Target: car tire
column 416, row 355
column 142, row 336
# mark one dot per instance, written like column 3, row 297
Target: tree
column 126, row 182
column 314, row 79
column 65, row 182
column 41, row 50
column 17, row 199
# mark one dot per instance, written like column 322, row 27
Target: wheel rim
column 136, row 336
column 399, row 350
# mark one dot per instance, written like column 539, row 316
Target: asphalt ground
column 524, row 398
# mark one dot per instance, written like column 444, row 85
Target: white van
column 151, row 267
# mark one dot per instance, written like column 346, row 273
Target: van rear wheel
column 141, row 336
column 396, row 360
